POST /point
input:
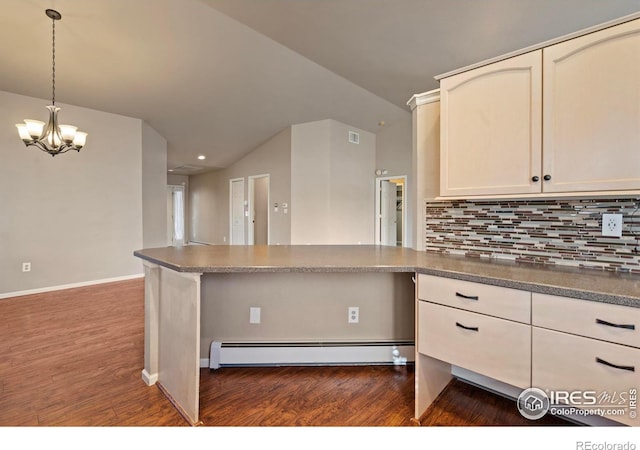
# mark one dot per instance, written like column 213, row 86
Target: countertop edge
column 532, row 286
column 580, row 294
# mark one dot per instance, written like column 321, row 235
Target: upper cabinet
column 561, row 119
column 490, row 128
column 591, row 115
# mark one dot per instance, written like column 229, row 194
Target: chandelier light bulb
column 51, row 137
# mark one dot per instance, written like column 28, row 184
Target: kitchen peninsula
column 180, row 281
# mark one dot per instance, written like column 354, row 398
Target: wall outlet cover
column 612, row 225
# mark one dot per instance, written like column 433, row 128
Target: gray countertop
column 588, row 284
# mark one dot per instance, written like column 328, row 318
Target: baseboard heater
column 311, row 354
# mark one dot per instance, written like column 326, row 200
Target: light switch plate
column 612, row 225
column 254, row 314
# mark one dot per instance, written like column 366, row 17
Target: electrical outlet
column 254, row 315
column 612, row 225
column 353, row 314
column 26, row 267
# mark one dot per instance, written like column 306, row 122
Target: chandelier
column 52, row 137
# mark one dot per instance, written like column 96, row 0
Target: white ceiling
column 219, row 77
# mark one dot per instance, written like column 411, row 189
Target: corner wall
column 154, row 186
column 209, row 192
column 332, row 184
column 393, row 154
column 78, row 217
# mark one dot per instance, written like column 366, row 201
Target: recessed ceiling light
column 170, row 170
column 201, row 157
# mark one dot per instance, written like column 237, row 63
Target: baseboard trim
column 149, row 379
column 69, row 286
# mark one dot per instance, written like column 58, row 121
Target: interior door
column 237, row 212
column 388, row 227
column 261, row 211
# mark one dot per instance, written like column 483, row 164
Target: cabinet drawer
column 497, row 348
column 568, row 363
column 613, row 323
column 495, row 301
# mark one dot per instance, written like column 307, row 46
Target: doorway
column 236, row 206
column 259, row 213
column 175, row 215
column 391, row 215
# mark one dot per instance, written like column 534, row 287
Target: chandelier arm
column 52, row 151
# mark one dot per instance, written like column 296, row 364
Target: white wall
column 310, row 174
column 394, row 154
column 332, row 184
column 306, row 307
column 154, row 182
column 76, row 217
column 328, row 183
column 209, row 192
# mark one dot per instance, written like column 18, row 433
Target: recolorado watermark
column 534, row 403
column 588, row 445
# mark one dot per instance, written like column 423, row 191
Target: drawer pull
column 616, row 325
column 615, row 366
column 468, row 297
column 458, row 324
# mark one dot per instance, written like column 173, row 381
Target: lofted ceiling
column 219, row 77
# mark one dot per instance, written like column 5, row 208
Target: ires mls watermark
column 534, row 403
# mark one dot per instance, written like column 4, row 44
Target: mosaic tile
column 560, row 232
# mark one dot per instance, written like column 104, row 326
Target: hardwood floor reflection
column 74, row 358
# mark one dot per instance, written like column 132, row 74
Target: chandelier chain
column 53, row 64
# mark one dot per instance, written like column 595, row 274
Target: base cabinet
column 590, row 350
column 584, row 354
column 599, row 376
column 497, row 348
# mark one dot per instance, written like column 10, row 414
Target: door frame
column 378, row 213
column 231, row 181
column 171, row 189
column 250, row 224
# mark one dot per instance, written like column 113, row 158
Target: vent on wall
column 354, row 137
column 309, row 354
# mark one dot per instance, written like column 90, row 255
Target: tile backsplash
column 561, row 232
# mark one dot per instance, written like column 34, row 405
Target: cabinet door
column 592, row 111
column 491, row 128
column 564, row 362
column 497, row 348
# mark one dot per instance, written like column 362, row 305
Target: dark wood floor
column 74, row 357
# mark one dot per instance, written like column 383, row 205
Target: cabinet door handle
column 616, row 325
column 535, row 179
column 458, row 324
column 547, row 177
column 468, row 297
column 615, row 366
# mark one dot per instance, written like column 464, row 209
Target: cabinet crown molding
column 548, row 43
column 424, row 98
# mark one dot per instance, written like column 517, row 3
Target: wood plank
column 73, row 358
